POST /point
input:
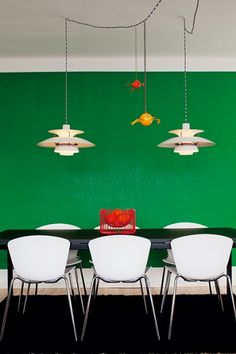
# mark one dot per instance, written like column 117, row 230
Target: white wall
column 116, row 64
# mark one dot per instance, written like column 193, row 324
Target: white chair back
column 58, row 227
column 181, row 225
column 39, row 257
column 185, row 225
column 120, row 257
column 72, row 258
column 201, row 256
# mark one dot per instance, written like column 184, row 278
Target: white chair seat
column 48, row 281
column 69, row 270
column 73, row 259
column 169, row 259
column 171, row 269
column 174, row 271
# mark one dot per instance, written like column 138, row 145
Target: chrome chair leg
column 152, row 305
column 79, row 292
column 210, row 288
column 82, row 278
column 172, row 307
column 231, row 293
column 70, row 306
column 95, row 289
column 20, row 296
column 7, row 308
column 165, row 290
column 94, row 280
column 144, row 299
column 71, row 285
column 162, row 279
column 36, row 289
column 219, row 294
column 26, row 298
column 27, row 295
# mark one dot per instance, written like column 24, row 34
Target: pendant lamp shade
column 186, row 143
column 66, row 143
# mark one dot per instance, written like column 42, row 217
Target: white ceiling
column 33, row 28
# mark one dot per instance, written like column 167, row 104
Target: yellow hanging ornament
column 146, row 119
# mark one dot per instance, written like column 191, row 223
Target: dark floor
column 118, row 324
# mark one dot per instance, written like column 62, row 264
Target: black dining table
column 79, row 238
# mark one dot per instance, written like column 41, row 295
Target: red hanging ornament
column 136, row 84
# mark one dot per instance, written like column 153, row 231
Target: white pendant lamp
column 186, row 142
column 65, row 143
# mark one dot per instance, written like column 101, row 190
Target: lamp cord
column 119, row 26
column 66, row 71
column 145, row 65
column 136, row 52
column 135, row 24
column 194, row 19
column 185, row 60
column 145, row 68
column 185, row 78
column 125, row 27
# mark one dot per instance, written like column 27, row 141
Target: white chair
column 96, row 284
column 200, row 257
column 169, row 260
column 119, row 258
column 39, row 259
column 73, row 259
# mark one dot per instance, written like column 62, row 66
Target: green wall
column 125, row 169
